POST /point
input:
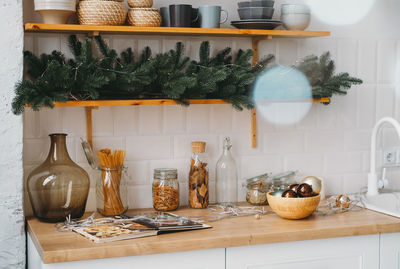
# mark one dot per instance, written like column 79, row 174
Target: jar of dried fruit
column 198, row 177
column 165, row 189
column 257, row 189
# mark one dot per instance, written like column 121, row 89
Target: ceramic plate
column 256, row 24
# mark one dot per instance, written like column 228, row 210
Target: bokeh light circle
column 279, row 93
column 340, row 12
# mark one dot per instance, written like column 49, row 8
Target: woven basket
column 145, row 17
column 140, row 3
column 101, row 12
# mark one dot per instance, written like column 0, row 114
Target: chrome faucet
column 372, row 177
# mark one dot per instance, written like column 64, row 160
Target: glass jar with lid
column 282, row 181
column 165, row 189
column 257, row 189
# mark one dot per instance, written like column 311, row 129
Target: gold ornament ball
column 314, row 182
column 343, row 201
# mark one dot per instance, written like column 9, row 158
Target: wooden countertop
column 56, row 246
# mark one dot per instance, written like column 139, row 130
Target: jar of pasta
column 165, row 189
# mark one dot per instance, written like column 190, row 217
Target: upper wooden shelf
column 149, row 102
column 95, row 29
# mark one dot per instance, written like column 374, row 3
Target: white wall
column 12, row 234
column 331, row 141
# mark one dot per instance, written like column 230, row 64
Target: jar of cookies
column 198, row 177
column 165, row 189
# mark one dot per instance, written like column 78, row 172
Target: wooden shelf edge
column 155, row 102
column 77, row 28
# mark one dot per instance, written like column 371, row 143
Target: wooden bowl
column 293, row 208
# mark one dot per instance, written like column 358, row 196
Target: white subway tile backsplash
column 150, row 119
column 35, row 150
column 149, row 147
column 138, row 172
column 357, row 140
column 333, row 184
column 339, row 163
column 126, row 120
column 287, row 52
column 385, row 102
column 256, row 165
column 140, row 196
column 221, row 118
column 307, row 164
column 325, row 141
column 347, row 56
column 31, row 128
column 366, row 106
column 280, row 143
column 174, row 119
column 50, row 121
column 241, row 121
column 386, row 61
column 367, row 60
column 74, row 121
column 198, row 119
column 354, row 183
column 46, row 43
column 102, row 119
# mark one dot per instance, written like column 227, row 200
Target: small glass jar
column 282, row 181
column 165, row 189
column 112, row 191
column 257, row 189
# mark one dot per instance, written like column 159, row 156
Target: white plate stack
column 55, row 11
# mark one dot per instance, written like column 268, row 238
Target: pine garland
column 52, row 78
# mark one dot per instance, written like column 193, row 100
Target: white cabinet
column 390, row 251
column 199, row 259
column 356, row 252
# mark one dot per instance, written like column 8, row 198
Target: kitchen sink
column 386, row 203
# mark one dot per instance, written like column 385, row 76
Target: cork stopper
column 198, row 147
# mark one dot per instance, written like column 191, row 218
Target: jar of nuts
column 165, row 189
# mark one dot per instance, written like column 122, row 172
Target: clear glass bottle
column 198, row 177
column 58, row 188
column 165, row 189
column 111, row 191
column 226, row 180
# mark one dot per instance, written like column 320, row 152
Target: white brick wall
column 12, row 232
column 331, row 141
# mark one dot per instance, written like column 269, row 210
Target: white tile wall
column 330, row 141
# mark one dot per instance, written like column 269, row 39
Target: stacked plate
column 256, row 15
column 55, row 11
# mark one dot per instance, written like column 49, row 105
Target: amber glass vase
column 58, row 188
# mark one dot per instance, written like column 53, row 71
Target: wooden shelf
column 95, row 30
column 151, row 102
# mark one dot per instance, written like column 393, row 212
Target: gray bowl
column 257, row 3
column 249, row 13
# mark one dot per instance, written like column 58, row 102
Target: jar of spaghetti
column 112, row 191
column 165, row 189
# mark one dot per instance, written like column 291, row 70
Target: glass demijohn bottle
column 226, row 176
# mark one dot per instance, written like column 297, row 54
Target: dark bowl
column 257, row 3
column 249, row 13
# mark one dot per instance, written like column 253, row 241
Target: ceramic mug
column 165, row 18
column 210, row 16
column 181, row 15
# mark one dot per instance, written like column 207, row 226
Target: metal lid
column 257, row 179
column 89, row 154
column 165, row 173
